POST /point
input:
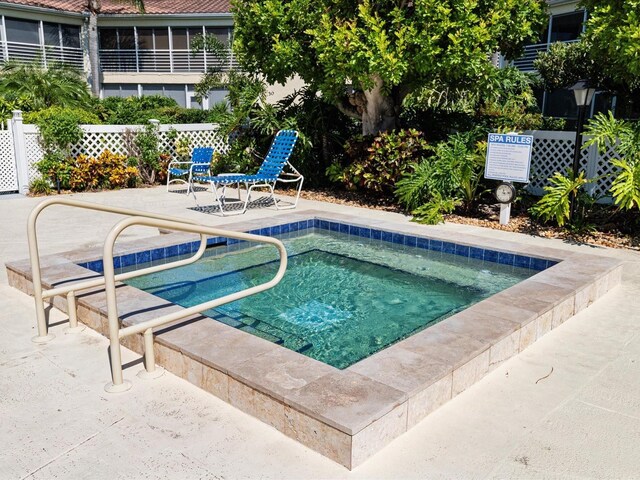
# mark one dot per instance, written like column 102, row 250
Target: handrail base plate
column 123, row 387
column 157, row 372
column 45, row 339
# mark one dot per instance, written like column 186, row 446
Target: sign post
column 508, row 160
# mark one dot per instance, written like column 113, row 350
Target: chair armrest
column 179, row 162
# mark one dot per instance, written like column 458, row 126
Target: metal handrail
column 116, row 333
column 40, row 295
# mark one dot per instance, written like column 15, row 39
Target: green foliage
column 139, row 110
column 384, row 49
column 40, row 186
column 432, row 212
column 504, row 101
column 452, row 173
column 59, row 131
column 148, row 152
column 624, row 138
column 29, row 87
column 612, row 33
column 555, row 204
column 389, row 157
column 80, row 116
column 566, row 63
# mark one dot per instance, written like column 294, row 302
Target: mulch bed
column 485, row 216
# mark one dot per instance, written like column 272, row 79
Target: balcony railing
column 27, row 52
column 525, row 62
column 143, row 61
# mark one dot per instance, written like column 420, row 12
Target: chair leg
column 295, row 203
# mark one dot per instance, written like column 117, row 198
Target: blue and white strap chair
column 185, row 172
column 271, row 171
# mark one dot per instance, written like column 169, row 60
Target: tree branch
column 349, row 110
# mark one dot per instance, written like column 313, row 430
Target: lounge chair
column 271, row 171
column 187, row 170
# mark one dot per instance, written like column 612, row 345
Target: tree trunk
column 94, row 59
column 379, row 113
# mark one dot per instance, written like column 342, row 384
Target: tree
column 95, row 6
column 31, row 87
column 367, row 56
column 612, row 32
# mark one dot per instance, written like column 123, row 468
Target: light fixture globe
column 583, row 93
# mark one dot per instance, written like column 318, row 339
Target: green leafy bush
column 555, row 204
column 80, row 116
column 389, row 156
column 148, row 152
column 59, row 131
column 139, row 110
column 451, row 176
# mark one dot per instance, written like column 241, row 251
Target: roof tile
column 152, row 7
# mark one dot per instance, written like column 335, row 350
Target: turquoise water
column 342, row 298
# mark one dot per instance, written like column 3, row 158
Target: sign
column 508, row 157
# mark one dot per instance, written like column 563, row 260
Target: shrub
column 452, row 176
column 148, row 152
column 40, row 186
column 79, row 115
column 139, row 110
column 109, row 170
column 389, row 157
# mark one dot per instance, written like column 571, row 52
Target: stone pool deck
column 580, row 421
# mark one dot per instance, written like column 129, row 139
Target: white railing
column 166, row 60
column 109, row 279
column 45, row 55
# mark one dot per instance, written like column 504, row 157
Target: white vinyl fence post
column 20, row 152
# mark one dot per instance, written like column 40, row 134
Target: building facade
column 138, row 54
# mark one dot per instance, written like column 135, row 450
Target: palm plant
column 35, row 88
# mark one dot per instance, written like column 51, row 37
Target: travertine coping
column 346, row 415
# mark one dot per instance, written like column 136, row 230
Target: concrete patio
column 581, row 421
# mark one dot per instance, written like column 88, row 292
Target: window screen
column 70, row 36
column 23, row 31
column 108, row 39
column 51, row 34
column 566, row 27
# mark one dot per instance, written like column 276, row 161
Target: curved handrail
column 116, row 333
column 38, row 293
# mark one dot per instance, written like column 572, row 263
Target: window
column 145, row 38
column 560, row 103
column 126, row 39
column 51, row 34
column 22, row 31
column 70, row 36
column 179, row 37
column 221, row 33
column 161, row 38
column 566, row 27
column 108, row 39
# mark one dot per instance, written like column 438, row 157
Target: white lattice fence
column 8, row 171
column 32, row 149
column 553, row 152
column 118, row 139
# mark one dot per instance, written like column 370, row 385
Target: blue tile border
column 423, row 243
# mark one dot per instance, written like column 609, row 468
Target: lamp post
column 583, row 94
